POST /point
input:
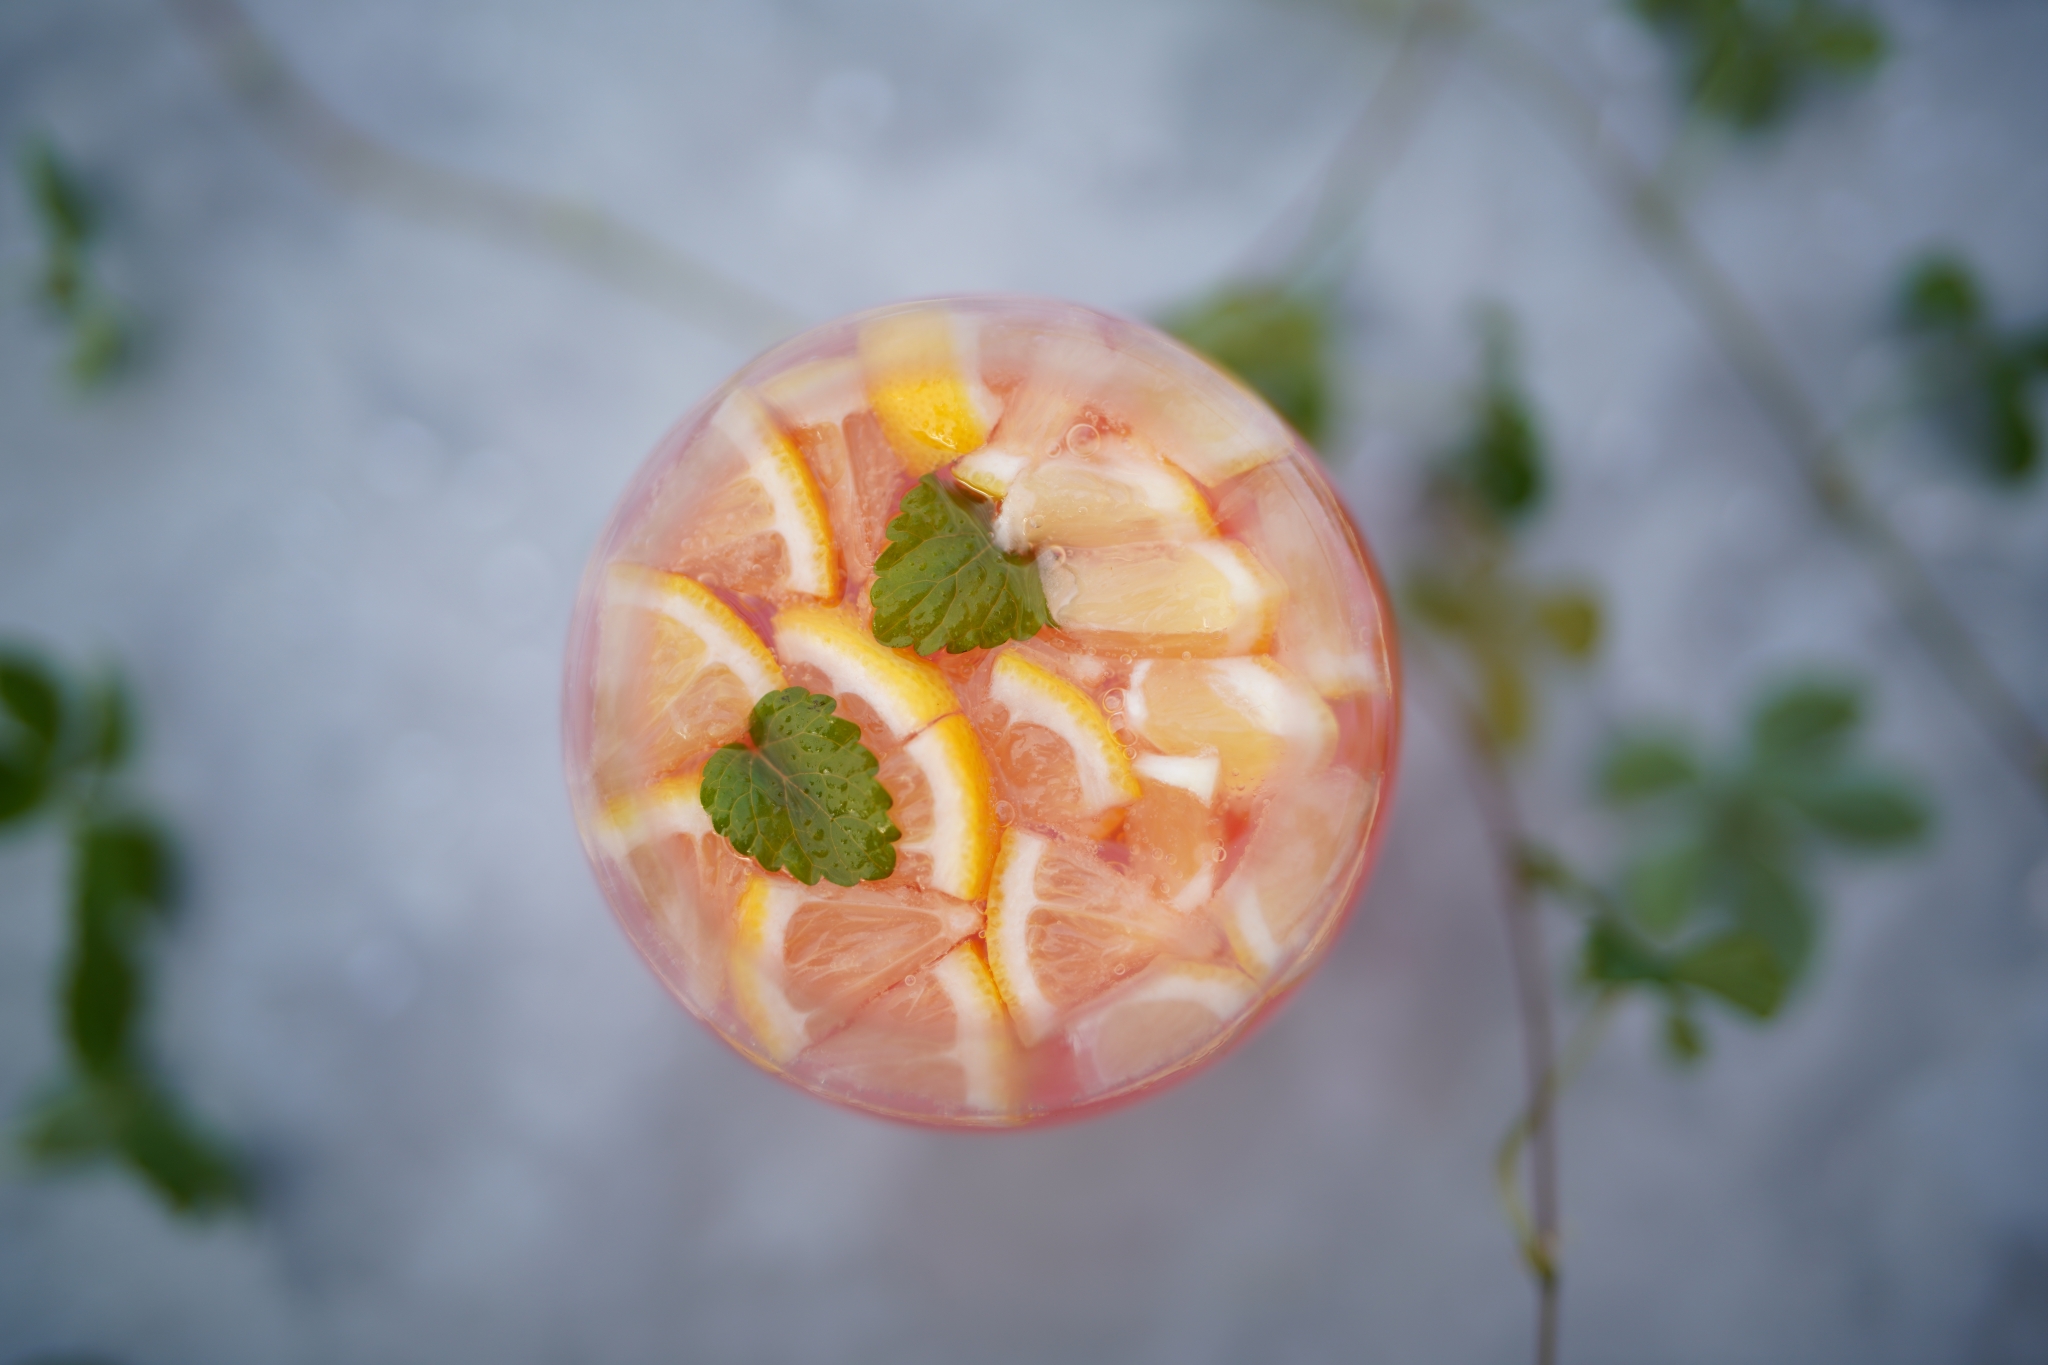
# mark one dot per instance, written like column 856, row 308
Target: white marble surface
column 333, row 527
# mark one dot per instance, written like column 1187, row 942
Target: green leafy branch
column 1979, row 376
column 1276, row 338
column 69, row 222
column 1749, row 62
column 63, row 748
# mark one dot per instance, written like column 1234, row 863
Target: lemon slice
column 906, row 694
column 677, row 673
column 1169, row 1016
column 687, row 882
column 744, row 512
column 939, row 1043
column 1036, row 696
column 1064, row 926
column 1255, row 716
column 806, row 959
column 1282, row 891
column 1331, row 632
column 924, row 384
column 1201, row 419
column 1172, row 830
column 1203, row 597
column 1118, row 493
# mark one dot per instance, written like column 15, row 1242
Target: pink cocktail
column 980, row 710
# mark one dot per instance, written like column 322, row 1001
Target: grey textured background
column 334, row 524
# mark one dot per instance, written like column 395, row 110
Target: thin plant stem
column 1535, row 1224
column 1312, row 231
column 1816, row 451
column 358, row 163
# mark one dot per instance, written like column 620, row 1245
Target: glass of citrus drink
column 980, row 711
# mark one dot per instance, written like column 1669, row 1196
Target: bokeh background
column 331, row 517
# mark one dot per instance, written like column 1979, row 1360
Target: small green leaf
column 1661, row 888
column 1616, row 956
column 1863, row 809
column 1806, row 722
column 62, row 206
column 192, row 1172
column 1273, row 338
column 102, row 998
column 1941, row 294
column 70, row 1122
column 1739, row 967
column 110, row 722
column 804, row 800
column 125, row 871
column 31, row 716
column 1747, row 61
column 1570, row 619
column 1505, row 705
column 944, row 584
column 1639, row 766
column 99, row 344
column 1501, row 462
column 1683, row 1040
column 1770, row 902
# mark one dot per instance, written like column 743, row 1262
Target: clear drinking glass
column 1119, row 839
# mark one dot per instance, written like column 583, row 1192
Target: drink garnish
column 804, row 799
column 944, row 583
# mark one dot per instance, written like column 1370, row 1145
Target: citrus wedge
column 924, row 384
column 906, row 694
column 1204, row 597
column 1117, row 493
column 1331, row 632
column 756, row 521
column 939, row 1043
column 1059, row 761
column 805, row 959
column 677, row 673
column 1172, row 830
column 1278, row 894
column 1255, row 716
column 687, row 882
column 1169, row 1015
column 1204, row 421
column 1064, row 926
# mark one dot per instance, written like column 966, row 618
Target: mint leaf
column 944, row 583
column 803, row 800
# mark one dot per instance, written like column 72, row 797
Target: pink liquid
column 1123, row 838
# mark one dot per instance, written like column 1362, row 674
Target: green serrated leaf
column 1806, row 722
column 1662, row 888
column 1640, row 766
column 1739, row 967
column 1275, row 339
column 1863, row 809
column 1570, row 619
column 943, row 583
column 804, row 800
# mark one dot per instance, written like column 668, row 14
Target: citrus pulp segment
column 1035, row 696
column 1293, row 859
column 758, row 523
column 924, row 385
column 676, row 673
column 805, row 959
column 1176, row 841
column 1118, row 493
column 1256, row 717
column 1065, row 925
column 958, row 846
column 1206, row 597
column 1172, row 1011
column 686, row 881
column 907, row 694
column 938, row 1043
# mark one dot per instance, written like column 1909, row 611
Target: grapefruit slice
column 1205, row 597
column 688, row 882
column 1115, row 493
column 1278, row 895
column 1060, row 763
column 1256, row 717
column 1168, row 1016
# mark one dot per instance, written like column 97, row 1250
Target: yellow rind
column 962, row 846
column 920, row 375
column 1011, row 895
column 774, row 462
column 908, row 694
column 756, row 970
column 1037, row 696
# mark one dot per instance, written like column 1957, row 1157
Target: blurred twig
column 358, row 163
column 1816, row 451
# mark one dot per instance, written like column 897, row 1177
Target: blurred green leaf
column 1682, row 1037
column 1770, row 901
column 1807, row 721
column 63, row 209
column 1504, row 701
column 1635, row 767
column 31, row 717
column 1864, row 809
column 110, row 722
column 1747, row 62
column 99, row 344
column 1616, row 956
column 1570, row 617
column 102, row 995
column 190, row 1169
column 1438, row 600
column 1739, row 967
column 1660, row 888
column 69, row 223
column 1276, row 339
column 1501, row 461
column 71, row 1122
column 1980, row 379
column 124, row 871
